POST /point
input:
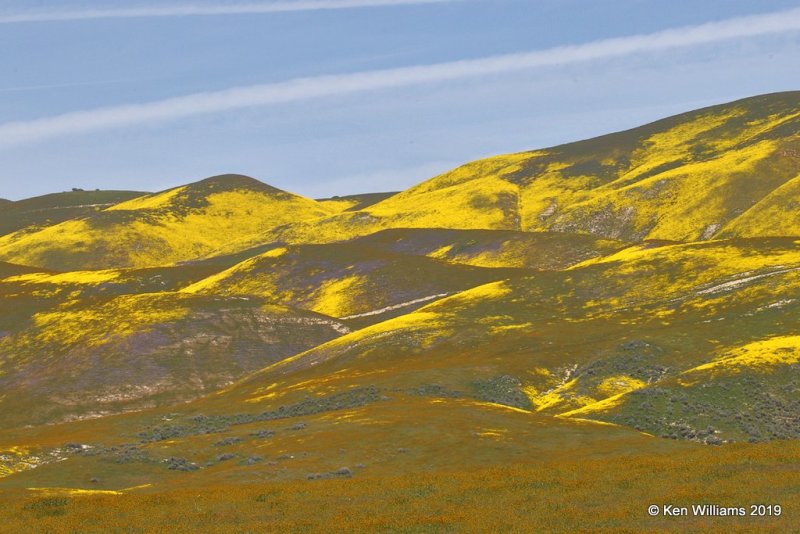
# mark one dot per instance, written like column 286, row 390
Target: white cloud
column 187, row 10
column 23, row 132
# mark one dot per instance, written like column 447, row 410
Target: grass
column 554, row 493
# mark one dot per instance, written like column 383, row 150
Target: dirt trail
column 395, row 306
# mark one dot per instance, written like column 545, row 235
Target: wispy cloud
column 28, row 88
column 22, row 132
column 188, row 10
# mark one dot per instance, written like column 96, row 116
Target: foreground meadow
column 534, row 495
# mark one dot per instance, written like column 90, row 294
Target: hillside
column 687, row 177
column 594, row 337
column 726, row 171
column 26, row 291
column 102, row 356
column 180, row 224
column 678, row 340
column 346, row 280
column 54, row 208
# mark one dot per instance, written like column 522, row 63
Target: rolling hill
column 720, row 171
column 687, row 177
column 582, row 341
column 611, row 322
column 180, row 224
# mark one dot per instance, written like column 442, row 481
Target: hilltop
column 179, row 224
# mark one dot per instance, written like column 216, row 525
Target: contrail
column 189, row 10
column 21, row 132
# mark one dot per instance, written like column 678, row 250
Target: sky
column 337, row 97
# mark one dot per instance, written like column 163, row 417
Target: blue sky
column 325, row 97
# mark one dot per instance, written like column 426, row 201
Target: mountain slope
column 211, row 216
column 681, row 178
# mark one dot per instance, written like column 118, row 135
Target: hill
column 676, row 339
column 180, row 224
column 347, row 280
column 354, row 281
column 54, row 208
column 578, row 342
column 101, row 356
column 687, row 177
column 26, row 291
column 726, row 171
